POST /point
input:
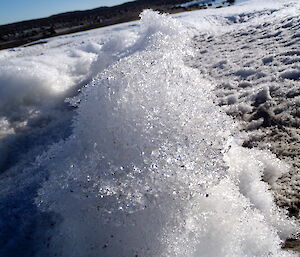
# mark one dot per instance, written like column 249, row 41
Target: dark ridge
column 24, row 32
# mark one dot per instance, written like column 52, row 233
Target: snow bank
column 34, row 84
column 32, row 93
column 149, row 169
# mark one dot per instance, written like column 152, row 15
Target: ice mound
column 150, row 168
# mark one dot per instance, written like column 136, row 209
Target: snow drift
column 153, row 166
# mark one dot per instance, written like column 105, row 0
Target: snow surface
column 144, row 161
column 256, row 69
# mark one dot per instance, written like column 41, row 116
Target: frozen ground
column 144, row 161
column 256, row 67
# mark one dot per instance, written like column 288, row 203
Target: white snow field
column 162, row 137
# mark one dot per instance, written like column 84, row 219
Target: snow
column 260, row 84
column 214, row 4
column 145, row 160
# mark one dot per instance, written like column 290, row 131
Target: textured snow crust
column 256, row 66
column 142, row 162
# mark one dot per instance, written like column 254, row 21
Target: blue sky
column 18, row 10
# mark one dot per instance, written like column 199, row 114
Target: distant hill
column 20, row 33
